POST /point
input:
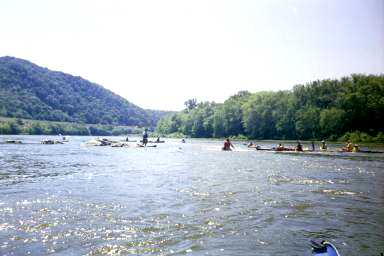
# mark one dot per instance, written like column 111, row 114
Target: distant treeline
column 352, row 107
column 35, row 127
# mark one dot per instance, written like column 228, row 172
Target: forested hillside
column 33, row 92
column 349, row 107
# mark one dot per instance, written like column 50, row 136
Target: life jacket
column 227, row 145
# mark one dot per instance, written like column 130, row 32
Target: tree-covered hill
column 327, row 109
column 33, row 92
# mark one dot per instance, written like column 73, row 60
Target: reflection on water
column 22, row 167
column 180, row 199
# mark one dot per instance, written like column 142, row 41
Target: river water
column 185, row 199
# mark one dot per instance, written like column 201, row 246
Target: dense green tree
column 35, row 127
column 190, row 104
column 321, row 109
column 307, row 123
column 218, row 118
column 258, row 115
column 232, row 113
column 33, row 92
column 331, row 121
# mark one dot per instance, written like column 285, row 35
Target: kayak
column 51, row 142
column 325, row 248
column 265, row 149
column 13, row 141
column 277, row 150
column 147, row 146
column 274, row 149
column 360, row 151
column 310, row 152
column 154, row 141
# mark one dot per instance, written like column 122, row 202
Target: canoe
column 324, row 249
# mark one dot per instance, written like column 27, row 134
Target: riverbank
column 15, row 126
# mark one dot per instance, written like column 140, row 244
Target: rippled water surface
column 189, row 198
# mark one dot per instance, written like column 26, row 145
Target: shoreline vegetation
column 16, row 126
column 19, row 126
column 350, row 108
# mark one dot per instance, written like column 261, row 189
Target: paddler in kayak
column 253, row 145
column 312, row 146
column 228, row 145
column 323, row 146
column 299, row 147
column 348, row 147
column 145, row 137
column 280, row 147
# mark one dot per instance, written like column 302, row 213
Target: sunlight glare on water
column 190, row 198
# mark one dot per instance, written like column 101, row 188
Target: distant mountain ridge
column 30, row 91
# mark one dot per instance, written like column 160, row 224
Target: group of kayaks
column 295, row 150
column 92, row 142
column 290, row 150
column 154, row 141
column 44, row 141
column 123, row 143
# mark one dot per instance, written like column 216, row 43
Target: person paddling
column 280, row 147
column 349, row 146
column 145, row 137
column 323, row 146
column 228, row 145
column 299, row 147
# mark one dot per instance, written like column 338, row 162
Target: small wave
column 302, row 206
column 335, row 192
column 277, row 180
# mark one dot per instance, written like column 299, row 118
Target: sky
column 157, row 54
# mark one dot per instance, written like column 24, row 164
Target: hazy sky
column 157, row 54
